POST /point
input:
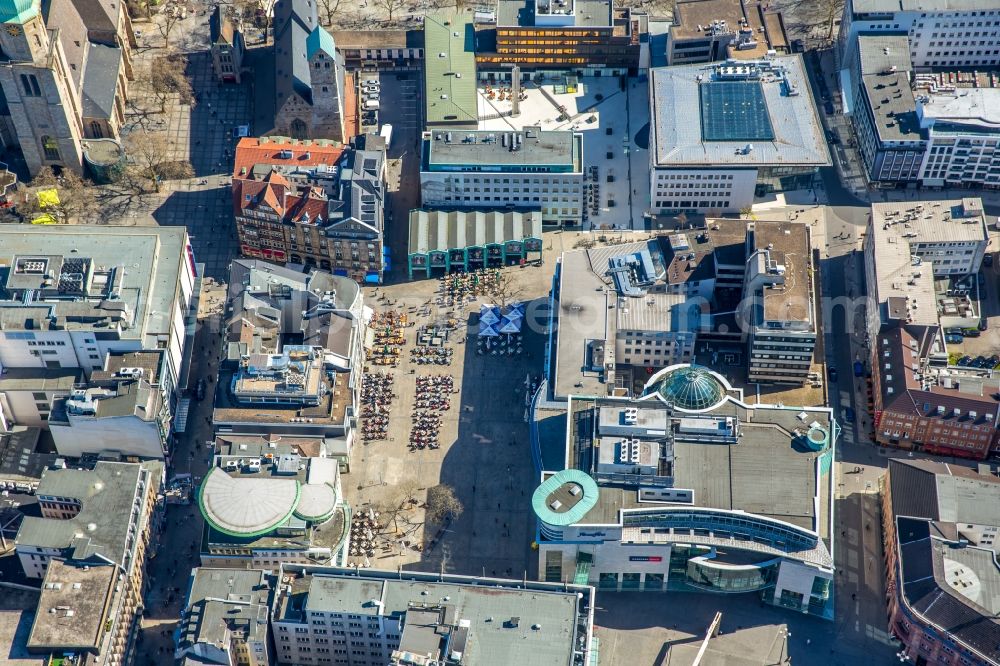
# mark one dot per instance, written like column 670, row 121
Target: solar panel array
column 734, row 111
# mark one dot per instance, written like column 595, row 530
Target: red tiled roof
column 250, row 151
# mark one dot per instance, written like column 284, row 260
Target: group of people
column 376, row 396
column 432, row 398
column 365, row 528
column 432, row 355
column 388, row 337
column 460, row 288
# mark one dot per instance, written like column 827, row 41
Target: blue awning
column 340, row 271
column 372, row 278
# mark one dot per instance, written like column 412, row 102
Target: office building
column 368, row 617
column 531, row 169
column 456, row 240
column 614, row 310
column 758, row 133
column 908, row 246
column 89, row 548
column 294, row 356
column 689, row 488
column 312, row 203
column 880, row 102
column 940, row 526
column 941, row 33
column 309, row 77
column 122, row 410
column 450, row 96
column 227, row 46
column 27, row 394
column 64, row 76
column 589, row 37
column 779, row 302
column 226, row 618
column 920, row 260
column 712, row 30
column 263, row 506
column 72, row 295
column 931, row 129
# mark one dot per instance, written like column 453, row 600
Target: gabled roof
column 278, row 150
column 294, row 20
column 100, row 81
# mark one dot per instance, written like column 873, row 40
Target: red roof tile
column 250, row 151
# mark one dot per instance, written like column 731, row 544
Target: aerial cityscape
column 499, row 332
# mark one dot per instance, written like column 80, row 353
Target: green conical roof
column 18, row 11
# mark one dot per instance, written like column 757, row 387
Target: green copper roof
column 319, row 40
column 18, row 11
column 690, row 387
column 565, row 497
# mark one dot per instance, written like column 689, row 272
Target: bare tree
column 390, row 6
column 831, row 10
column 504, row 291
column 166, row 78
column 327, row 10
column 169, row 18
column 75, row 199
column 150, row 159
column 442, row 504
column 399, row 499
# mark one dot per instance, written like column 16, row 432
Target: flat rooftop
column 533, row 626
column 145, row 263
column 449, row 70
column 884, row 68
column 788, row 245
column 694, row 19
column 99, row 528
column 71, row 609
column 40, row 379
column 332, row 408
column 945, row 221
column 969, row 110
column 554, row 13
column 559, row 150
column 892, row 6
column 442, row 230
column 225, row 602
column 749, row 116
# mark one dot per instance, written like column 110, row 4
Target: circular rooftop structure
column 317, row 502
column 246, row 507
column 565, row 497
column 689, row 387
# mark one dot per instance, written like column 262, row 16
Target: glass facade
column 711, row 576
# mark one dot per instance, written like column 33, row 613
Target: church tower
column 326, row 69
column 44, row 110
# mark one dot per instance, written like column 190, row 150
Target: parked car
column 982, row 324
column 371, row 89
column 987, row 260
column 849, row 415
column 371, row 82
column 978, row 362
column 994, row 361
column 970, row 332
column 828, row 107
column 964, row 361
column 954, row 330
column 953, row 339
column 831, row 373
column 199, row 389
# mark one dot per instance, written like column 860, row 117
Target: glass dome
column 689, row 387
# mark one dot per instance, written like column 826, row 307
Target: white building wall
column 966, row 160
column 702, row 190
column 558, row 195
column 665, row 348
column 797, row 577
column 34, row 560
column 129, row 435
column 67, row 349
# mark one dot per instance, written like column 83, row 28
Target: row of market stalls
column 445, row 241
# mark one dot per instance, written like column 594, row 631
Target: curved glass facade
column 716, row 577
column 689, row 387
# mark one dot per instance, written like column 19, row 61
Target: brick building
column 316, row 203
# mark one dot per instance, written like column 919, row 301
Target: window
column 50, row 148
